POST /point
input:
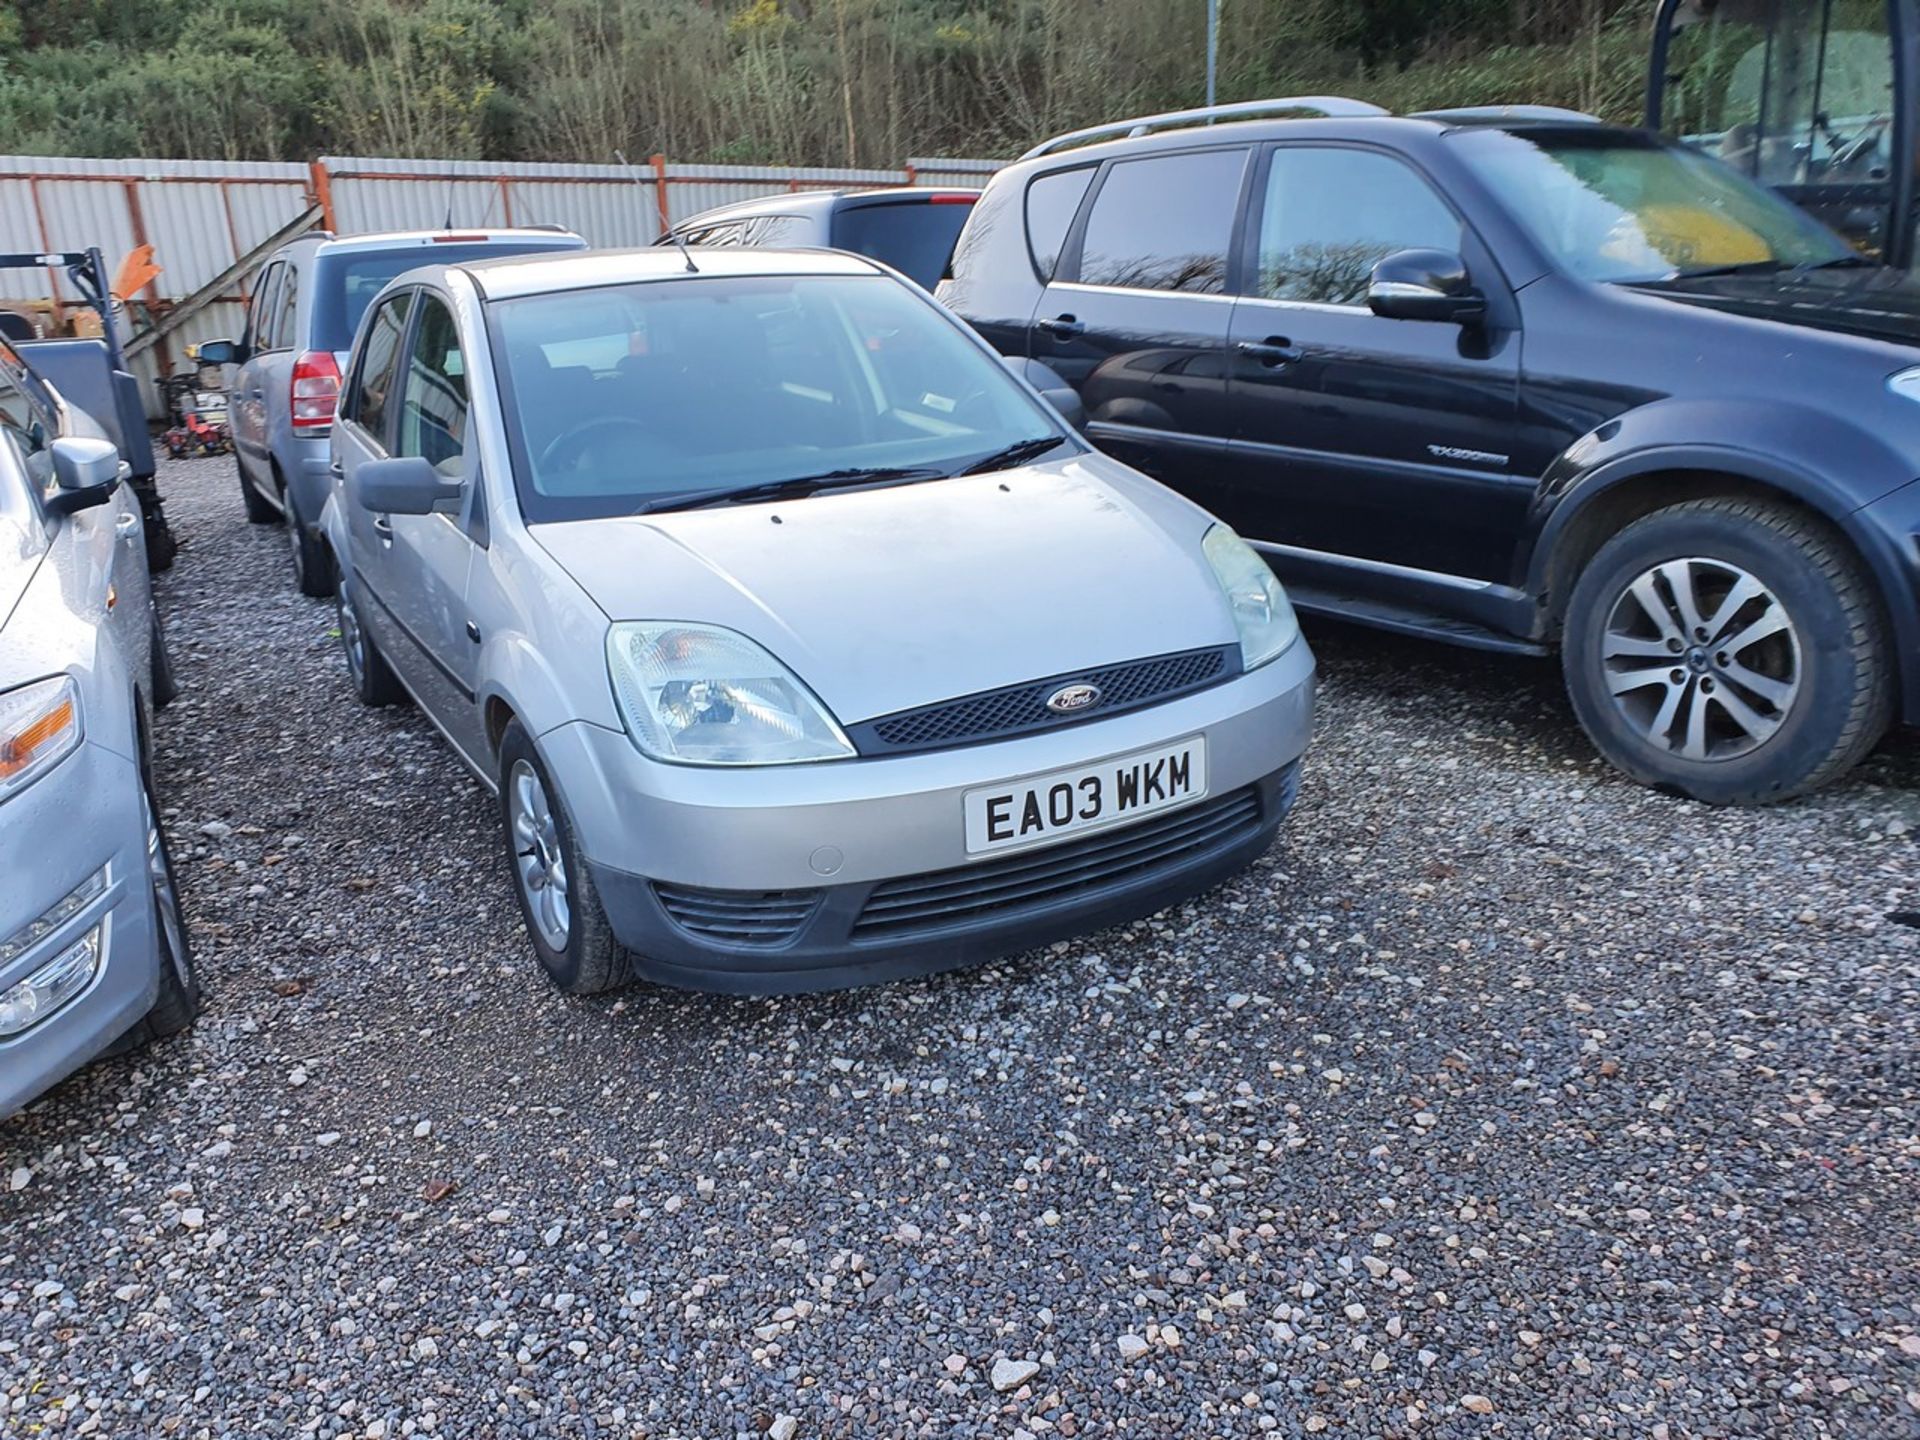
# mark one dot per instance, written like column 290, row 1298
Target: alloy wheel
column 351, row 640
column 538, row 861
column 1701, row 659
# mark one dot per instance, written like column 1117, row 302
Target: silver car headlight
column 701, row 695
column 39, row 727
column 1261, row 612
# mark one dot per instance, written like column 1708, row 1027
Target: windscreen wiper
column 798, row 487
column 1747, row 267
column 1017, row 453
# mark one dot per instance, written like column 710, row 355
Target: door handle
column 473, row 632
column 383, row 527
column 1274, row 351
column 1063, row 326
column 127, row 526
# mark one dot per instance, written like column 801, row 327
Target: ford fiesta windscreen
column 629, row 398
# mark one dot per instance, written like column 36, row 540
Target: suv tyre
column 1730, row 650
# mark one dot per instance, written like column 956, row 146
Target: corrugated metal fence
column 202, row 217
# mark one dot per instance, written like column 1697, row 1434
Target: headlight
column 1261, row 612
column 51, row 986
column 39, row 727
column 1905, row 383
column 701, row 695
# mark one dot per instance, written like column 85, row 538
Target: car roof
column 1401, row 128
column 513, row 276
column 816, row 202
column 402, row 239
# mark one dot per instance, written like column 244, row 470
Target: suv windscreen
column 914, row 238
column 1612, row 208
column 345, row 283
column 626, row 397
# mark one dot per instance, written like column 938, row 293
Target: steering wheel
column 574, row 441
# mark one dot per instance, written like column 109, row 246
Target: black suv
column 1509, row 379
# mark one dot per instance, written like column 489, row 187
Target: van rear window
column 345, row 283
column 916, row 238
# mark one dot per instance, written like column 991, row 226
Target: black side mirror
column 1055, row 391
column 86, row 472
column 222, row 352
column 1425, row 285
column 403, row 485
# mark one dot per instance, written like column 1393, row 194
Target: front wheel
column 1731, row 650
column 179, row 999
column 558, row 899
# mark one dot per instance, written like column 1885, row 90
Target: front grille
column 952, row 897
column 738, row 917
column 1018, row 709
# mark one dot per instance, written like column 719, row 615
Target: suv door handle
column 1274, row 351
column 1064, row 326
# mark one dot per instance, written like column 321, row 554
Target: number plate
column 1044, row 808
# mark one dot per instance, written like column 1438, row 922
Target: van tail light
column 316, row 390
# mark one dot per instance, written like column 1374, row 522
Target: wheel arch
column 1615, row 495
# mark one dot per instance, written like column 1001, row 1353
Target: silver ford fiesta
column 804, row 645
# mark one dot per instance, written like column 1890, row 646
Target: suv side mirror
column 86, row 472
column 1055, row 391
column 402, row 485
column 1424, row 285
column 222, row 352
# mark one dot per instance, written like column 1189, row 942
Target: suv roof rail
column 1331, row 106
column 1493, row 114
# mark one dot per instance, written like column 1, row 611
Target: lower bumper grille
column 898, row 908
column 738, row 917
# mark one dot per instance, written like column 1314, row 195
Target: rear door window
column 1165, row 223
column 914, row 237
column 367, row 406
column 261, row 314
column 1052, row 202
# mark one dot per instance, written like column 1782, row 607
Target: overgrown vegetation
column 836, row 82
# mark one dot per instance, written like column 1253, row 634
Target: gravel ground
column 1501, row 1098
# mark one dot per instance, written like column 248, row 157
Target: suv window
column 1052, row 202
column 1331, row 214
column 261, row 312
column 433, row 405
column 1164, row 223
column 284, row 331
column 374, row 381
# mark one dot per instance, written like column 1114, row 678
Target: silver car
column 92, row 949
column 307, row 301
column 802, row 643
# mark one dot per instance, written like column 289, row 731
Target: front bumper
column 835, row 837
column 53, row 835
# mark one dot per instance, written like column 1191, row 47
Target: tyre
column 312, row 564
column 179, row 999
column 558, row 900
column 162, row 686
column 260, row 510
column 373, row 679
column 1728, row 649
